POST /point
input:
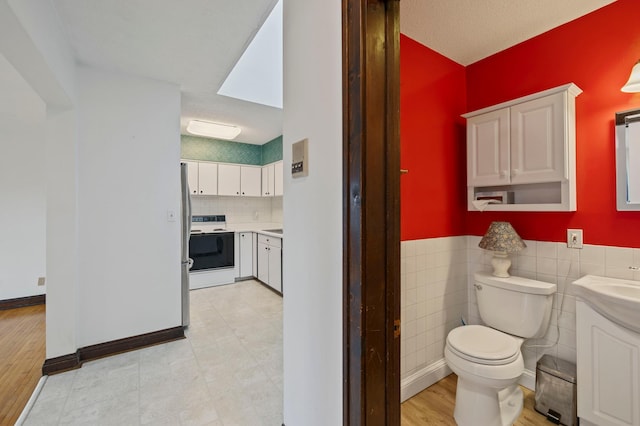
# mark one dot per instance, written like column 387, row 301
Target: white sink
column 616, row 299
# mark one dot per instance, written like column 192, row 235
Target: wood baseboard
column 101, row 350
column 21, row 302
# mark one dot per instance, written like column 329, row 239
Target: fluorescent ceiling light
column 212, row 130
column 257, row 76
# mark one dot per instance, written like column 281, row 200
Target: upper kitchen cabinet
column 522, row 152
column 272, row 179
column 236, row 180
column 202, row 178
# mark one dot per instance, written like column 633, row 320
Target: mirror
column 628, row 160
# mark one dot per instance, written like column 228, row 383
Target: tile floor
column 227, row 372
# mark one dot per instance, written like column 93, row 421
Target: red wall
column 432, row 98
column 596, row 52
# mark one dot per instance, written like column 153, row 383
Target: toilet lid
column 483, row 345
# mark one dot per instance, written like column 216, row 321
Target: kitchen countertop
column 261, row 228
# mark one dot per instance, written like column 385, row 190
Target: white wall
column 312, row 256
column 128, row 174
column 22, row 186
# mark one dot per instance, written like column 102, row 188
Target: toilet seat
column 483, row 345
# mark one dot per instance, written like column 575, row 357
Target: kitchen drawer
column 272, row 241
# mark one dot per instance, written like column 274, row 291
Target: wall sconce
column 633, row 85
column 502, row 239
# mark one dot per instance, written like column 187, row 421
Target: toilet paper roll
column 482, row 204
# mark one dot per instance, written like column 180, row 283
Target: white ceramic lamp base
column 501, row 264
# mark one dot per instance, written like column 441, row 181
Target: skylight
column 257, row 76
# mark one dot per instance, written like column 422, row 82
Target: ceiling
column 196, row 43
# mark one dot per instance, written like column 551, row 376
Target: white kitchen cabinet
column 236, row 180
column 272, row 175
column 270, row 261
column 247, row 249
column 268, row 181
column 202, row 178
column 527, row 147
column 278, row 174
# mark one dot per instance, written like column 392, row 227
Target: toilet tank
column 515, row 305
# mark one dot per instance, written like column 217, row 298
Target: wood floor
column 434, row 406
column 22, row 353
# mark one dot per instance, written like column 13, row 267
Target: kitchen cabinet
column 278, row 171
column 236, row 180
column 202, row 178
column 272, row 175
column 270, row 261
column 525, row 147
column 247, row 248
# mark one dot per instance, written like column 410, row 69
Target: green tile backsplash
column 205, row 149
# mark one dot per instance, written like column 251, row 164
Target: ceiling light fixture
column 212, row 130
column 633, row 85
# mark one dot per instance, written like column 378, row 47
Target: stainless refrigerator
column 186, row 262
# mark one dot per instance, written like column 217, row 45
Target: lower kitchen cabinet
column 247, row 249
column 270, row 261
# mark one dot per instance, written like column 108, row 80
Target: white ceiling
column 196, row 43
column 469, row 30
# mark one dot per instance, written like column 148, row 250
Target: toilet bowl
column 487, row 358
column 488, row 364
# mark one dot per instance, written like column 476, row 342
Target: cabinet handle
column 514, row 172
column 503, row 174
column 201, row 191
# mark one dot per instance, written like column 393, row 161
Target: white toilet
column 487, row 360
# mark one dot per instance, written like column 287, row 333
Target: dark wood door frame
column 371, row 196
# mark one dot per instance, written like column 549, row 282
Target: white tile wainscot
column 433, row 301
column 437, row 291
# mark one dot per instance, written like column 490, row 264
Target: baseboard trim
column 423, row 378
column 528, row 379
column 101, row 350
column 60, row 364
column 21, row 302
column 32, row 400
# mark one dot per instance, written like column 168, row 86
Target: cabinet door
column 192, row 176
column 277, row 178
column 208, row 178
column 538, row 140
column 488, row 148
column 267, row 181
column 250, row 181
column 228, row 179
column 246, row 254
column 263, row 262
column 275, row 268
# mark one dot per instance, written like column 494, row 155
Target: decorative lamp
column 633, row 85
column 502, row 239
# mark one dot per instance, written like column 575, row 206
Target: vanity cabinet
column 236, row 180
column 202, row 178
column 608, row 367
column 525, row 147
column 270, row 261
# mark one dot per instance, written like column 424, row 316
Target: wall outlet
column 41, row 281
column 574, row 238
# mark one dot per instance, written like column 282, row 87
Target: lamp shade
column 502, row 237
column 633, row 85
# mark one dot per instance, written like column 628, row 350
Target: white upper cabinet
column 272, row 175
column 236, row 180
column 525, row 147
column 202, row 178
column 228, row 179
column 268, row 180
column 278, row 178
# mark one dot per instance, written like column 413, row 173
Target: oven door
column 211, row 251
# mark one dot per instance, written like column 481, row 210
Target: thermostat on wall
column 300, row 158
